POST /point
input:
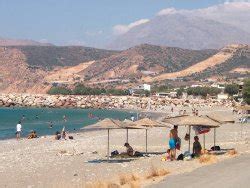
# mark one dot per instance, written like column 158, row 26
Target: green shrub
column 246, row 91
column 203, row 91
column 55, row 90
column 232, row 89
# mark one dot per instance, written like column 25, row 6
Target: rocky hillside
column 48, row 57
column 35, row 69
column 144, row 60
column 222, row 63
column 26, row 68
column 239, row 62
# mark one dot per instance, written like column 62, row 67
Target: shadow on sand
column 111, row 160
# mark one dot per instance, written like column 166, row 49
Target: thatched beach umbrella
column 128, row 124
column 244, row 107
column 148, row 123
column 221, row 118
column 192, row 121
column 106, row 124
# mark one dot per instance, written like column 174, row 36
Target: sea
column 41, row 119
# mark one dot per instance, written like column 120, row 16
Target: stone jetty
column 102, row 102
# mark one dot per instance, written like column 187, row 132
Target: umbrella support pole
column 214, row 137
column 108, row 147
column 127, row 136
column 204, row 141
column 189, row 141
column 146, row 141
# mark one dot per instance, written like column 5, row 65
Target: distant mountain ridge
column 209, row 28
column 21, row 42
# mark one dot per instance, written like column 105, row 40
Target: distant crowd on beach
column 33, row 133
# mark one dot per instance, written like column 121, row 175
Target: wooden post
column 108, row 147
column 204, row 141
column 214, row 137
column 189, row 141
column 146, row 141
column 127, row 136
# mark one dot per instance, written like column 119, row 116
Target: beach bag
column 215, row 148
column 71, row 137
column 180, row 157
column 187, row 137
column 138, row 154
column 114, row 153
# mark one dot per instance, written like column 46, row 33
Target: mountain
column 210, row 28
column 35, row 69
column 26, row 68
column 47, row 57
column 223, row 63
column 20, row 42
column 145, row 59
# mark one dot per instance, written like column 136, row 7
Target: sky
column 82, row 22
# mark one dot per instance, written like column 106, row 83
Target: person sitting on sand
column 58, row 135
column 196, row 147
column 63, row 135
column 32, row 135
column 129, row 149
column 173, row 136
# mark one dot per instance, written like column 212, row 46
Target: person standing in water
column 64, row 118
column 18, row 130
column 50, row 125
column 132, row 118
column 173, row 136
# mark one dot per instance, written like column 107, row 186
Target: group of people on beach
column 175, row 144
column 33, row 133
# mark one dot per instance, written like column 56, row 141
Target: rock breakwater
column 103, row 102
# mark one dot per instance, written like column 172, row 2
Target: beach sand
column 45, row 162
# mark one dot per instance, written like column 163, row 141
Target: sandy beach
column 46, row 162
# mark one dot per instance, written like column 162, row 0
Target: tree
column 203, row 91
column 246, row 91
column 180, row 92
column 232, row 89
column 59, row 91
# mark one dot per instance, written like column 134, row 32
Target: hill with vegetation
column 48, row 57
column 143, row 60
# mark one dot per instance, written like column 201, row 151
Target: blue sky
column 85, row 22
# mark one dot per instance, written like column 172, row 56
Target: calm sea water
column 39, row 119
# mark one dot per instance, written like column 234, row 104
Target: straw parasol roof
column 245, row 107
column 127, row 124
column 107, row 123
column 191, row 120
column 221, row 117
column 146, row 122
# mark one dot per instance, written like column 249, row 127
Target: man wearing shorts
column 18, row 130
column 173, row 135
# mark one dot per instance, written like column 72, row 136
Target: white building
column 222, row 96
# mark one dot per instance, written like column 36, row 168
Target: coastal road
column 230, row 173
